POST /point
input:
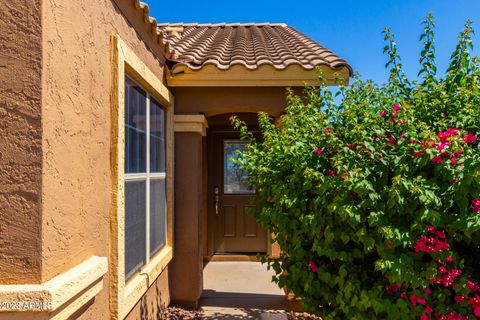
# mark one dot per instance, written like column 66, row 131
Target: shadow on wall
column 156, row 310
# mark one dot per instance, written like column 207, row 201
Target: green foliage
column 349, row 187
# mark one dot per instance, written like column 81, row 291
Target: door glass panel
column 234, row 178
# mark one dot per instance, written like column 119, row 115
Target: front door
column 234, row 230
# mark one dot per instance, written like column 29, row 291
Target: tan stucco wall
column 154, row 302
column 20, row 141
column 213, row 101
column 77, row 83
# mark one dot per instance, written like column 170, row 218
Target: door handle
column 216, row 204
column 216, row 199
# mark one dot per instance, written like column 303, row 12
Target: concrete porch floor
column 241, row 290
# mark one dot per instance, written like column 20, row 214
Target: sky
column 350, row 28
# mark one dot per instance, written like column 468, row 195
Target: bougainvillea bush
column 374, row 195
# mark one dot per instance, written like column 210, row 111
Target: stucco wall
column 213, row 101
column 77, row 84
column 20, row 141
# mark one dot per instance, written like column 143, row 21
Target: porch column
column 186, row 268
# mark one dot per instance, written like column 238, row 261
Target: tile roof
column 249, row 44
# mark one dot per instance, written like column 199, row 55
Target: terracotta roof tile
column 249, row 44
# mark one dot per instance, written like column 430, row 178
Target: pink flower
column 417, row 154
column 312, row 266
column 427, row 291
column 442, row 269
column 472, row 286
column 382, row 114
column 401, row 136
column 459, row 298
column 431, row 228
column 412, row 141
column 396, row 107
column 475, row 205
column 440, row 234
column 455, row 273
column 453, row 160
column 428, row 309
column 391, row 139
column 331, row 173
column 449, row 259
column 437, row 159
column 394, row 113
column 318, row 151
column 396, row 286
column 458, row 152
column 442, row 146
column 388, row 289
column 469, row 138
column 403, row 295
column 424, row 317
column 422, row 301
column 413, row 300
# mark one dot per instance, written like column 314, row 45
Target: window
column 145, row 177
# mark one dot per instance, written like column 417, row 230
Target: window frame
column 148, row 177
column 124, row 295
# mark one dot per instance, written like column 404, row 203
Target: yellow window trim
column 124, row 296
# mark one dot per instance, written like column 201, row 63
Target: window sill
column 138, row 285
column 60, row 296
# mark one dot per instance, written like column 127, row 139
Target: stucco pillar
column 21, row 141
column 186, row 268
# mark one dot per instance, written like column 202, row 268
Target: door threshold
column 232, row 257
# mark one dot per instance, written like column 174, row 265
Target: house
column 115, row 173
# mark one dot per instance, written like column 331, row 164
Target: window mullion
column 147, row 196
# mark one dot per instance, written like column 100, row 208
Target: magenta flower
column 469, row 138
column 413, row 300
column 427, row 291
column 459, row 298
column 396, row 107
column 318, row 151
column 442, row 146
column 388, row 289
column 331, row 173
column 428, row 309
column 449, row 259
column 312, row 266
column 383, row 114
column 476, row 205
column 472, row 286
column 424, row 317
column 417, row 154
column 437, row 159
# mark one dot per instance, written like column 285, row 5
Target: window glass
column 145, row 178
column 234, row 178
column 135, row 246
column 157, row 215
column 157, row 137
column 135, row 128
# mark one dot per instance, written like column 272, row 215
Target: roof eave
column 263, row 76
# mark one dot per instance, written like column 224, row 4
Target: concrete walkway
column 241, row 290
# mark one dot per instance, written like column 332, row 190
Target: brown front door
column 234, row 230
